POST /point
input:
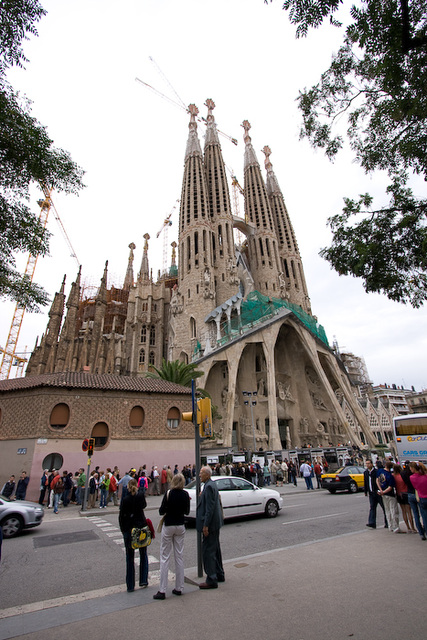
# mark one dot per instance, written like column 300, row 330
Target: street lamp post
column 251, row 403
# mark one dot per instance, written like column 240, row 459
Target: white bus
column 410, row 435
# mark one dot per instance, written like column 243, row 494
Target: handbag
column 161, row 523
column 162, row 519
column 140, row 537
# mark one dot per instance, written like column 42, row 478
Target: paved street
column 72, row 568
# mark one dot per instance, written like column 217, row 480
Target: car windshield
column 190, row 485
column 4, row 498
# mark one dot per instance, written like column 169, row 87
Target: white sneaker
column 398, row 530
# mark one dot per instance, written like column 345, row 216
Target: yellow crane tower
column 9, row 356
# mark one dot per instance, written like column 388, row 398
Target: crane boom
column 167, row 82
column 182, row 106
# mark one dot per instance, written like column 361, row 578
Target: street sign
column 85, row 444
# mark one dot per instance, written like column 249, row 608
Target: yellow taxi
column 349, row 479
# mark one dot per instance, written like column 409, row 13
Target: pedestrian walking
column 419, row 481
column 132, row 515
column 402, row 498
column 412, row 499
column 175, row 506
column 386, row 487
column 44, row 485
column 318, row 473
column 371, row 490
column 306, row 470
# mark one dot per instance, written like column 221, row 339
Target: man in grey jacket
column 209, row 520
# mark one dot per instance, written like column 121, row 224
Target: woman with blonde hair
column 175, row 506
column 132, row 515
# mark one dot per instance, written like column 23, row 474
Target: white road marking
column 330, row 515
column 153, row 580
column 289, row 506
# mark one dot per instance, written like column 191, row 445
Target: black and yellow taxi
column 343, row 479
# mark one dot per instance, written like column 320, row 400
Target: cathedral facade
column 241, row 313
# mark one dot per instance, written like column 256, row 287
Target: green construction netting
column 257, row 308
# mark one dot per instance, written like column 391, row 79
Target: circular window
column 53, row 461
column 174, row 416
column 59, row 416
column 136, row 418
column 100, row 434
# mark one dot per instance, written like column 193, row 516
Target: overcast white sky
column 243, row 54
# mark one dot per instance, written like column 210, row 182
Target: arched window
column 100, row 433
column 174, row 416
column 59, row 416
column 143, row 334
column 152, row 335
column 151, row 359
column 52, row 461
column 192, row 327
column 136, row 417
column 142, row 357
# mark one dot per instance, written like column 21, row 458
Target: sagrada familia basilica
column 241, row 312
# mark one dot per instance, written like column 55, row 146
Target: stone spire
column 196, row 281
column 65, row 353
column 144, row 273
column 128, row 282
column 220, row 213
column 98, row 322
column 292, row 280
column 43, row 359
column 193, row 144
column 262, row 245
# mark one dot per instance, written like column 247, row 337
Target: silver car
column 16, row 515
column 240, row 497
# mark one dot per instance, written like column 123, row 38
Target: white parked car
column 240, row 498
column 16, row 515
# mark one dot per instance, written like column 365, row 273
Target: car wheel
column 11, row 526
column 271, row 509
column 352, row 487
column 331, row 490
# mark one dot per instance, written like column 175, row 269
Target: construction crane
column 9, row 352
column 167, row 222
column 180, row 102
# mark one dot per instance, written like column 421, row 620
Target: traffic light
column 205, row 423
column 204, row 417
column 90, row 447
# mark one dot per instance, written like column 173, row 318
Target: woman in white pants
column 175, row 506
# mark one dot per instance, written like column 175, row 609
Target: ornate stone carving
column 284, row 391
column 318, row 401
column 312, row 376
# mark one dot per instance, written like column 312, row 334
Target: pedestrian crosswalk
column 113, row 532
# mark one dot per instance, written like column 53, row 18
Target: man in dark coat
column 21, row 487
column 209, row 520
column 371, row 490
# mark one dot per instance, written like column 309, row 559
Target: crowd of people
column 390, row 486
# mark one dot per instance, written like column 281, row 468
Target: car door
column 249, row 497
column 229, row 497
column 354, row 473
